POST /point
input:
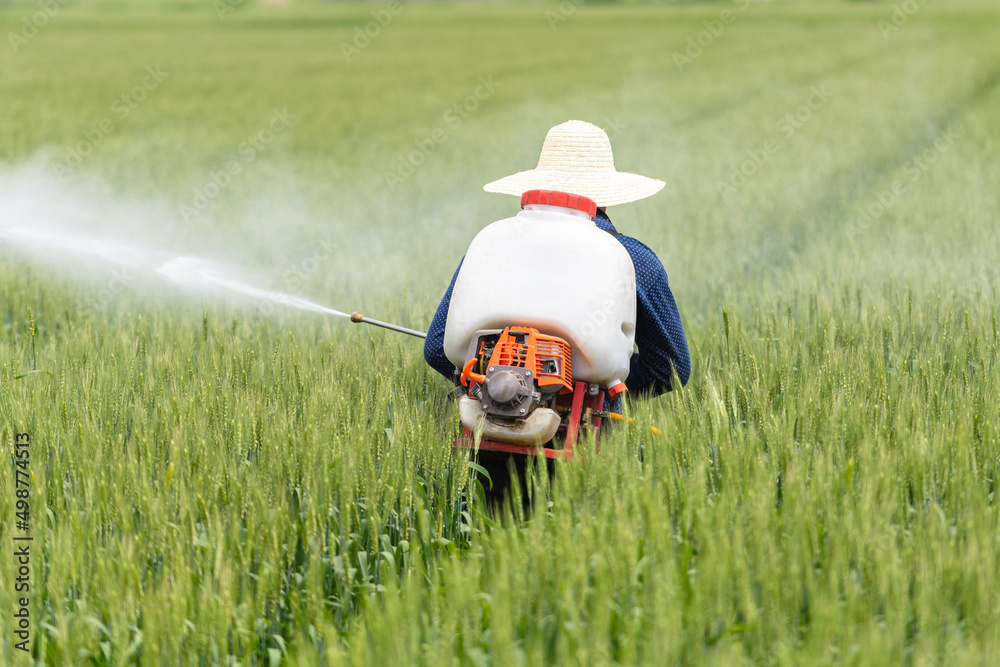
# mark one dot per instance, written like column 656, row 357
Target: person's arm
column 659, row 334
column 434, row 345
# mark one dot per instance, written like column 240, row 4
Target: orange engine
column 514, row 382
column 549, row 358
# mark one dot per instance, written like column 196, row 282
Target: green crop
column 217, row 481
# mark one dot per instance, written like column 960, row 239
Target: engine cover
column 540, row 426
column 508, row 391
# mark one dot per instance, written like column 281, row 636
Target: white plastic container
column 553, row 269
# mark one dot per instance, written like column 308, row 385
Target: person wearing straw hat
column 576, row 158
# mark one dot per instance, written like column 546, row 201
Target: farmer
column 576, row 158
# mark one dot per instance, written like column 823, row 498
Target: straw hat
column 576, row 158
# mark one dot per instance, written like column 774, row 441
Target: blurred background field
column 219, row 480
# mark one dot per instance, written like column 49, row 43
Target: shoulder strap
column 612, row 231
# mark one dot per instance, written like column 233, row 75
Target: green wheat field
column 215, row 480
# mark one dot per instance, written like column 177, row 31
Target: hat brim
column 606, row 189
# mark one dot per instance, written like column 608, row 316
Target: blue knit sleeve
column 434, row 345
column 659, row 334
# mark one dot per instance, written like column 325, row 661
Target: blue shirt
column 659, row 334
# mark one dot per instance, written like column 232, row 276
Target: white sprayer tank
column 550, row 268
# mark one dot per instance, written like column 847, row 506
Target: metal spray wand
column 359, row 319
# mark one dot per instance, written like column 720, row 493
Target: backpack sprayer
column 538, row 353
column 507, row 389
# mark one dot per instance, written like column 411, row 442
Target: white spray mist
column 47, row 219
